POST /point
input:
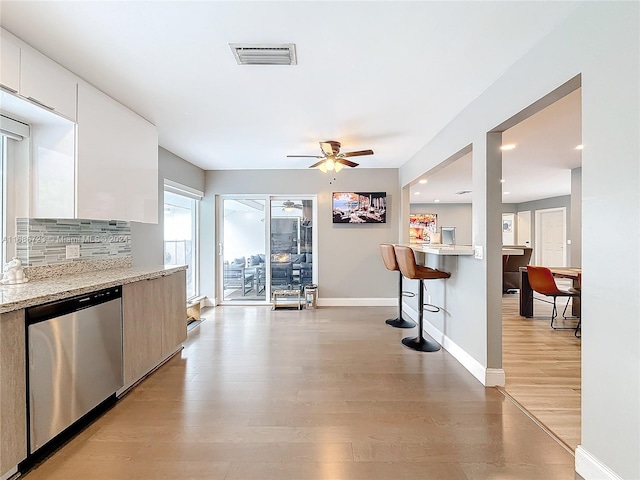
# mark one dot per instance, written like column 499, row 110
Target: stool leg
column 420, row 343
column 400, row 322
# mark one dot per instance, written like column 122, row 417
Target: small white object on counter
column 13, row 273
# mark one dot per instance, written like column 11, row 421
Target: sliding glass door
column 266, row 244
column 291, row 243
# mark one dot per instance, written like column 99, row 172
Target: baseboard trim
column 357, row 302
column 590, row 468
column 10, row 473
column 489, row 377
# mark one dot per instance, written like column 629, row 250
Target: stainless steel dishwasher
column 75, row 360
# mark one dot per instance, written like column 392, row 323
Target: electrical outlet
column 478, row 252
column 73, row 251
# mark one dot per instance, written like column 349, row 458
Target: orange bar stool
column 389, row 259
column 410, row 269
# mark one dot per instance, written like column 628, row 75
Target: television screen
column 359, row 207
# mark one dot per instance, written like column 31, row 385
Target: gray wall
column 147, row 247
column 349, row 262
column 450, row 215
column 555, row 202
column 608, row 63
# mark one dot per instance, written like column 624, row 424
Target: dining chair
column 542, row 281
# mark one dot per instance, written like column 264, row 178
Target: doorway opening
column 542, row 365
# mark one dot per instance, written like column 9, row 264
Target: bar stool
column 410, row 269
column 389, row 259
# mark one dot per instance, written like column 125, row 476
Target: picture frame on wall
column 422, row 227
column 359, row 207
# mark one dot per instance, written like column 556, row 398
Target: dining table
column 526, row 292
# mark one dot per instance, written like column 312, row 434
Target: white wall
column 147, row 240
column 575, row 230
column 599, row 41
column 350, row 268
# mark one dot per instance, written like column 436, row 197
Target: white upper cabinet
column 142, row 165
column 9, row 65
column 45, row 82
column 117, row 161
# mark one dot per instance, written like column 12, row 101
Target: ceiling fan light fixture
column 323, row 167
column 338, row 166
column 330, row 164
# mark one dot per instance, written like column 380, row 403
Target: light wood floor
column 542, row 368
column 325, row 394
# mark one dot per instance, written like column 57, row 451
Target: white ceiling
column 539, row 167
column 384, row 75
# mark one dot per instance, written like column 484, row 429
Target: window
column 181, row 230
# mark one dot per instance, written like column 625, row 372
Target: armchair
column 236, row 276
column 282, row 275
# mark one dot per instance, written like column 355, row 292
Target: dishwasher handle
column 50, row 310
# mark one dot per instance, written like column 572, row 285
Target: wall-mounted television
column 359, row 207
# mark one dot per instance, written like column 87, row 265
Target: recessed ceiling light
column 502, row 180
column 416, row 193
column 579, row 147
column 436, row 200
column 506, row 193
column 423, row 181
column 508, row 146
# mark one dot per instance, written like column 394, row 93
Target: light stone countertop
column 439, row 249
column 15, row 297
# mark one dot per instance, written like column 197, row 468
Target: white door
column 524, row 228
column 551, row 234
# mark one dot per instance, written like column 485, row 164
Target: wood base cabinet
column 13, row 392
column 154, row 323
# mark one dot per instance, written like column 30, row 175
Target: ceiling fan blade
column 358, row 153
column 327, row 148
column 305, row 156
column 316, row 164
column 348, row 163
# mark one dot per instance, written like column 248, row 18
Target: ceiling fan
column 332, row 159
column 288, row 206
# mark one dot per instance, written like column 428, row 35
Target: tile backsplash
column 43, row 241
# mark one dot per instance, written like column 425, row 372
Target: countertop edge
column 90, row 282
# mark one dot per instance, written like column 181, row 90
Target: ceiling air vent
column 463, row 192
column 252, row 54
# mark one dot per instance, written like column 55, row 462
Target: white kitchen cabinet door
column 101, row 157
column 47, row 83
column 142, row 164
column 53, row 168
column 9, row 65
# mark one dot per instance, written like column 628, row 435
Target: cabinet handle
column 41, row 104
column 8, row 89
